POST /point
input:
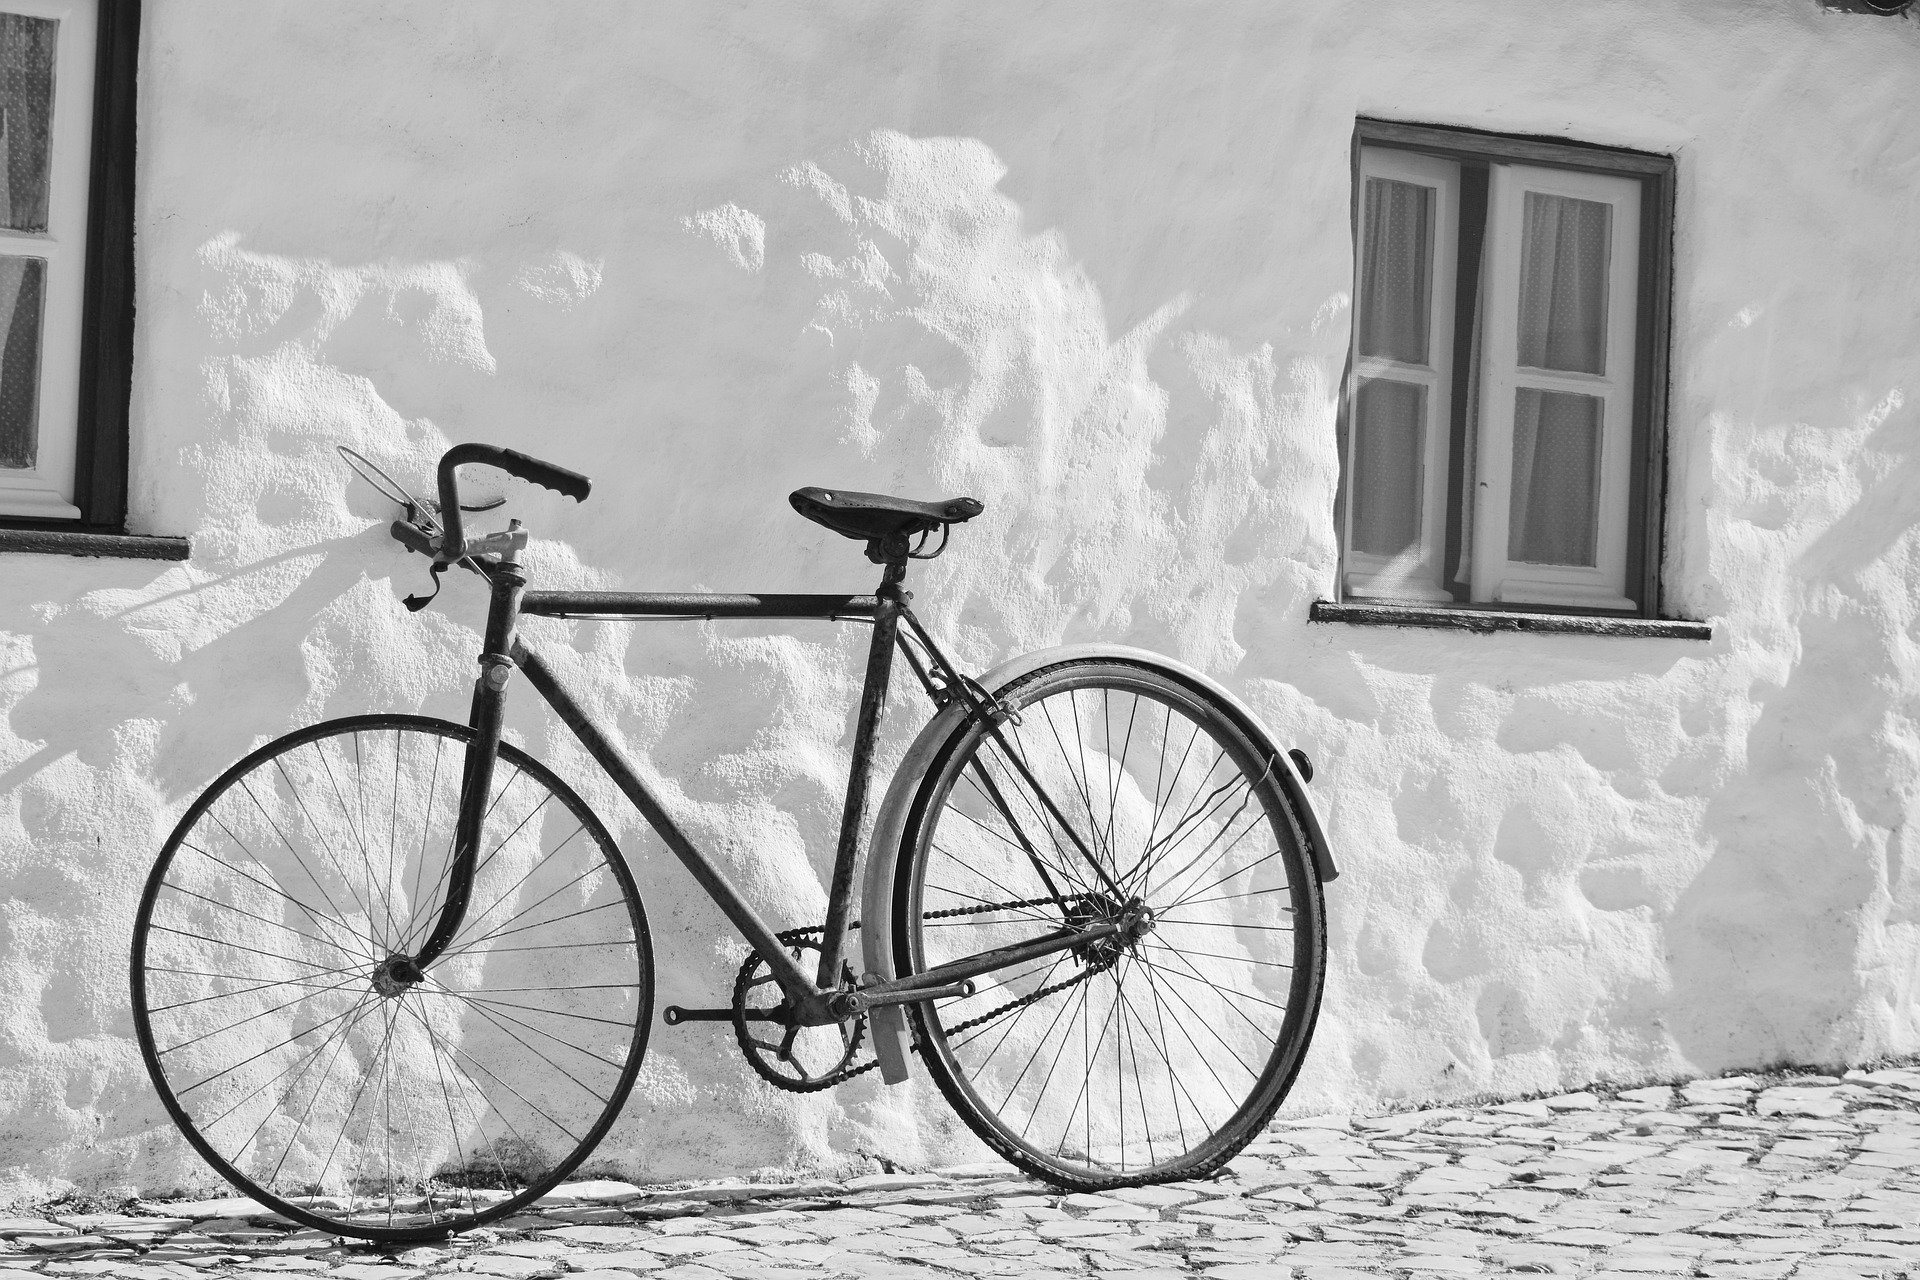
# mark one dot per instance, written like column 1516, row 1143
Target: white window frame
column 1496, row 578
column 1414, row 574
column 46, row 490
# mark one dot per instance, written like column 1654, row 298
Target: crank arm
column 673, row 1015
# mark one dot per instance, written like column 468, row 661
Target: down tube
column 793, row 981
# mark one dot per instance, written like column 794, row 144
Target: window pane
column 1396, row 271
column 1389, row 442
column 1556, row 478
column 26, row 118
column 22, row 281
column 1564, row 253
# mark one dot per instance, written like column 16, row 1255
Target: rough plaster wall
column 1090, row 263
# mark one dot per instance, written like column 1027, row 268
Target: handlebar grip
column 570, row 483
column 562, row 481
column 412, row 537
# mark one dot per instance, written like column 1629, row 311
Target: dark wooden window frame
column 1647, row 495
column 106, row 320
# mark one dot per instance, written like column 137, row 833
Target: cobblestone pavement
column 1799, row 1176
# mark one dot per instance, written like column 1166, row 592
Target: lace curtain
column 1564, row 256
column 1396, row 279
column 26, row 136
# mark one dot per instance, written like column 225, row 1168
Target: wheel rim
column 1160, row 1049
column 304, row 1055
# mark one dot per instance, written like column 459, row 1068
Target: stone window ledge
column 86, row 542
column 1400, row 615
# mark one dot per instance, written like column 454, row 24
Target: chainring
column 798, row 1059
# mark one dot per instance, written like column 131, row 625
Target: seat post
column 891, row 552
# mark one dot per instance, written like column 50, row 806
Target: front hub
column 396, row 975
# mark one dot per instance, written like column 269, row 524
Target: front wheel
column 300, row 1053
column 1112, row 794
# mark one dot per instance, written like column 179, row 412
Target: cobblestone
column 1797, row 1178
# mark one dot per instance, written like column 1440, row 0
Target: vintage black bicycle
column 392, row 977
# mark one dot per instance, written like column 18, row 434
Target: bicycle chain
column 989, row 1015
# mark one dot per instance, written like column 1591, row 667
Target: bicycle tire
column 1234, row 959
column 266, row 920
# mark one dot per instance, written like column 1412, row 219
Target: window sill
column 1396, row 615
column 82, row 542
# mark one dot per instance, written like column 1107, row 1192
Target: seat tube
column 476, row 779
column 873, row 704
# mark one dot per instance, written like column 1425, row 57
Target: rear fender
column 888, row 1023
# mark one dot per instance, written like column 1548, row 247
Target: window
column 1502, row 428
column 66, row 306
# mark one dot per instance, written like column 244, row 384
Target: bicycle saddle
column 875, row 515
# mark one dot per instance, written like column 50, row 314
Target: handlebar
column 450, row 546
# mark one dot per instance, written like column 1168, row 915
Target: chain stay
column 1051, row 900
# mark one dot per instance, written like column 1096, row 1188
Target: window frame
column 1645, row 512
column 107, row 295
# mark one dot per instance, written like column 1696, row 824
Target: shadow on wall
column 878, row 318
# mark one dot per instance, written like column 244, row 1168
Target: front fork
column 476, row 779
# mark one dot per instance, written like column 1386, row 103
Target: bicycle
column 392, row 977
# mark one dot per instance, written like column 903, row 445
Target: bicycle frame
column 818, row 998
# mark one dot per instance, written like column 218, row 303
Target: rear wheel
column 1113, row 794
column 290, row 1040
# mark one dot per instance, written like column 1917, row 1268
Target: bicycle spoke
column 1182, row 831
column 319, row 832
column 442, row 1050
column 303, row 1064
column 254, row 1017
column 1033, row 1111
column 227, row 942
column 443, row 989
column 1226, row 924
column 315, row 916
column 246, row 991
column 481, row 1007
column 335, row 916
column 1197, row 976
column 1006, row 1031
column 1205, row 1060
column 366, row 858
column 1266, row 857
column 1229, row 897
column 278, row 924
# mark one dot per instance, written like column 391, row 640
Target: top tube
column 614, row 605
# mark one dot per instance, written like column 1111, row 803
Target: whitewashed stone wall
column 1090, row 263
